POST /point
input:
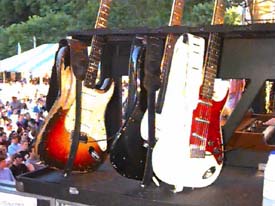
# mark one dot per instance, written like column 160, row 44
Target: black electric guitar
column 128, row 151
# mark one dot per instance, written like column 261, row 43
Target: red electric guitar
column 189, row 152
column 54, row 139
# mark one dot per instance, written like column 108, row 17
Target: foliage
column 49, row 29
column 16, row 11
column 50, row 20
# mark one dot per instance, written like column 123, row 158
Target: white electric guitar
column 189, row 151
column 173, row 124
column 175, row 20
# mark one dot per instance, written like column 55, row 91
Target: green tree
column 49, row 29
column 16, row 11
column 51, row 20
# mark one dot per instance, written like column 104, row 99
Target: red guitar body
column 211, row 131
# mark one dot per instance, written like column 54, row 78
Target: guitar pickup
column 198, row 136
column 201, row 120
column 205, row 103
column 197, row 153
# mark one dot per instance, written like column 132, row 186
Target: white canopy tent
column 36, row 62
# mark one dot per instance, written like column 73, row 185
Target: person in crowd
column 39, row 119
column 21, row 113
column 4, row 139
column 33, row 162
column 3, row 149
column 28, row 118
column 14, row 117
column 26, row 137
column 21, row 121
column 14, row 146
column 24, row 108
column 15, row 104
column 9, row 126
column 5, row 173
column 24, row 148
column 18, row 167
column 39, row 107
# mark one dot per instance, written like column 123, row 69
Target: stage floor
column 236, row 186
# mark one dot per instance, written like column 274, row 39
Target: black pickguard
column 128, row 154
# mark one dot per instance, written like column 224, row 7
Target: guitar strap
column 79, row 63
column 152, row 84
column 54, row 83
column 78, row 58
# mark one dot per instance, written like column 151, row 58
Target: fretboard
column 96, row 44
column 175, row 20
column 213, row 52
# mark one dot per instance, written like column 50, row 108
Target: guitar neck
column 175, row 20
column 97, row 44
column 213, row 52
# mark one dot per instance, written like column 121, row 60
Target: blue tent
column 36, row 62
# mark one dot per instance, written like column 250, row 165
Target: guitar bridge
column 197, row 153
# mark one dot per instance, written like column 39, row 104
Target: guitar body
column 183, row 78
column 54, row 138
column 195, row 139
column 93, row 142
column 182, row 170
column 128, row 153
column 54, row 142
column 177, row 122
column 60, row 106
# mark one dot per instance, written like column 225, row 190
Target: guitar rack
column 247, row 53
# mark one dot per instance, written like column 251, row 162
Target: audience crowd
column 22, row 112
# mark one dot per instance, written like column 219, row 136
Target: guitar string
column 215, row 39
column 96, row 51
column 205, row 126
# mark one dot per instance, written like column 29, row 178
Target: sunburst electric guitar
column 54, row 139
column 189, row 152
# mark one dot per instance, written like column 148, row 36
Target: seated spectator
column 5, row 173
column 18, row 167
column 14, row 146
column 9, row 126
column 24, row 109
column 15, row 104
column 24, row 148
column 21, row 121
column 25, row 136
column 39, row 106
column 39, row 120
column 4, row 139
column 4, row 150
column 33, row 162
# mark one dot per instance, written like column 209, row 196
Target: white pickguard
column 94, row 103
column 182, row 84
column 171, row 155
